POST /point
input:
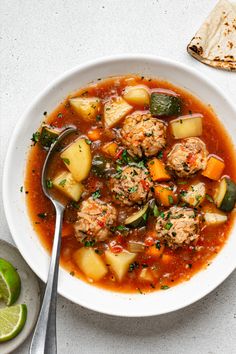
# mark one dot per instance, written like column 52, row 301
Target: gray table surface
column 39, row 41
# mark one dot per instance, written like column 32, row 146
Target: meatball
column 187, row 157
column 143, row 134
column 178, row 226
column 131, row 185
column 95, row 218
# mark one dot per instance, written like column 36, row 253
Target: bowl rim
column 87, row 65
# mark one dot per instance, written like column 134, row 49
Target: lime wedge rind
column 12, row 321
column 10, row 283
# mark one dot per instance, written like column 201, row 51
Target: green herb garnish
column 66, row 161
column 165, row 287
column 168, row 225
column 49, row 183
column 96, row 194
column 62, row 182
column 35, row 137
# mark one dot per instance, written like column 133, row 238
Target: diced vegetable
column 146, row 275
column 164, row 195
column 137, row 95
column 187, row 126
column 48, row 136
column 157, row 170
column 119, row 262
column 94, row 134
column 65, row 183
column 136, row 247
column 155, row 250
column 195, row 194
column 166, row 258
column 86, row 107
column 214, row 168
column 225, row 195
column 78, row 159
column 115, row 110
column 164, row 105
column 214, row 218
column 110, row 149
column 90, row 263
column 102, row 167
column 139, row 218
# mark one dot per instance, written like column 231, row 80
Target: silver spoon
column 44, row 340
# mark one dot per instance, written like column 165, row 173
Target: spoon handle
column 44, row 340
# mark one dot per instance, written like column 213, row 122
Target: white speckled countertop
column 40, row 40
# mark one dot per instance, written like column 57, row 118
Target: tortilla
column 215, row 42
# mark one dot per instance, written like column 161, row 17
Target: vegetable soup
column 148, row 180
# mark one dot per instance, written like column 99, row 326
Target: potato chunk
column 90, row 263
column 187, row 126
column 115, row 110
column 78, row 159
column 146, row 275
column 119, row 262
column 86, row 107
column 65, row 183
column 137, row 95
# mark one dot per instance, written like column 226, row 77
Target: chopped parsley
column 160, row 155
column 89, row 142
column 96, row 194
column 49, row 183
column 162, row 215
column 183, row 193
column 35, row 137
column 98, row 117
column 62, row 182
column 133, row 266
column 168, row 225
column 132, row 189
column 171, row 200
column 59, row 115
column 66, row 161
column 165, row 287
column 21, row 189
column 89, row 243
column 121, row 228
column 158, row 245
column 42, row 215
column 182, row 182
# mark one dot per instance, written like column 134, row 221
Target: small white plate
column 30, row 294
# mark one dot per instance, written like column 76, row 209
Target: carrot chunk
column 153, row 251
column 94, row 134
column 110, row 149
column 164, row 195
column 214, row 168
column 157, row 170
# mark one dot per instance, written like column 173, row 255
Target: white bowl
column 15, row 208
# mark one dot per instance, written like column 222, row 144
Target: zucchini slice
column 48, row 136
column 139, row 218
column 164, row 105
column 225, row 195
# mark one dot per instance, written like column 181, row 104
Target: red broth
column 170, row 266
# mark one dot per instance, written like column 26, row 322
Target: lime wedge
column 12, row 320
column 10, row 284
